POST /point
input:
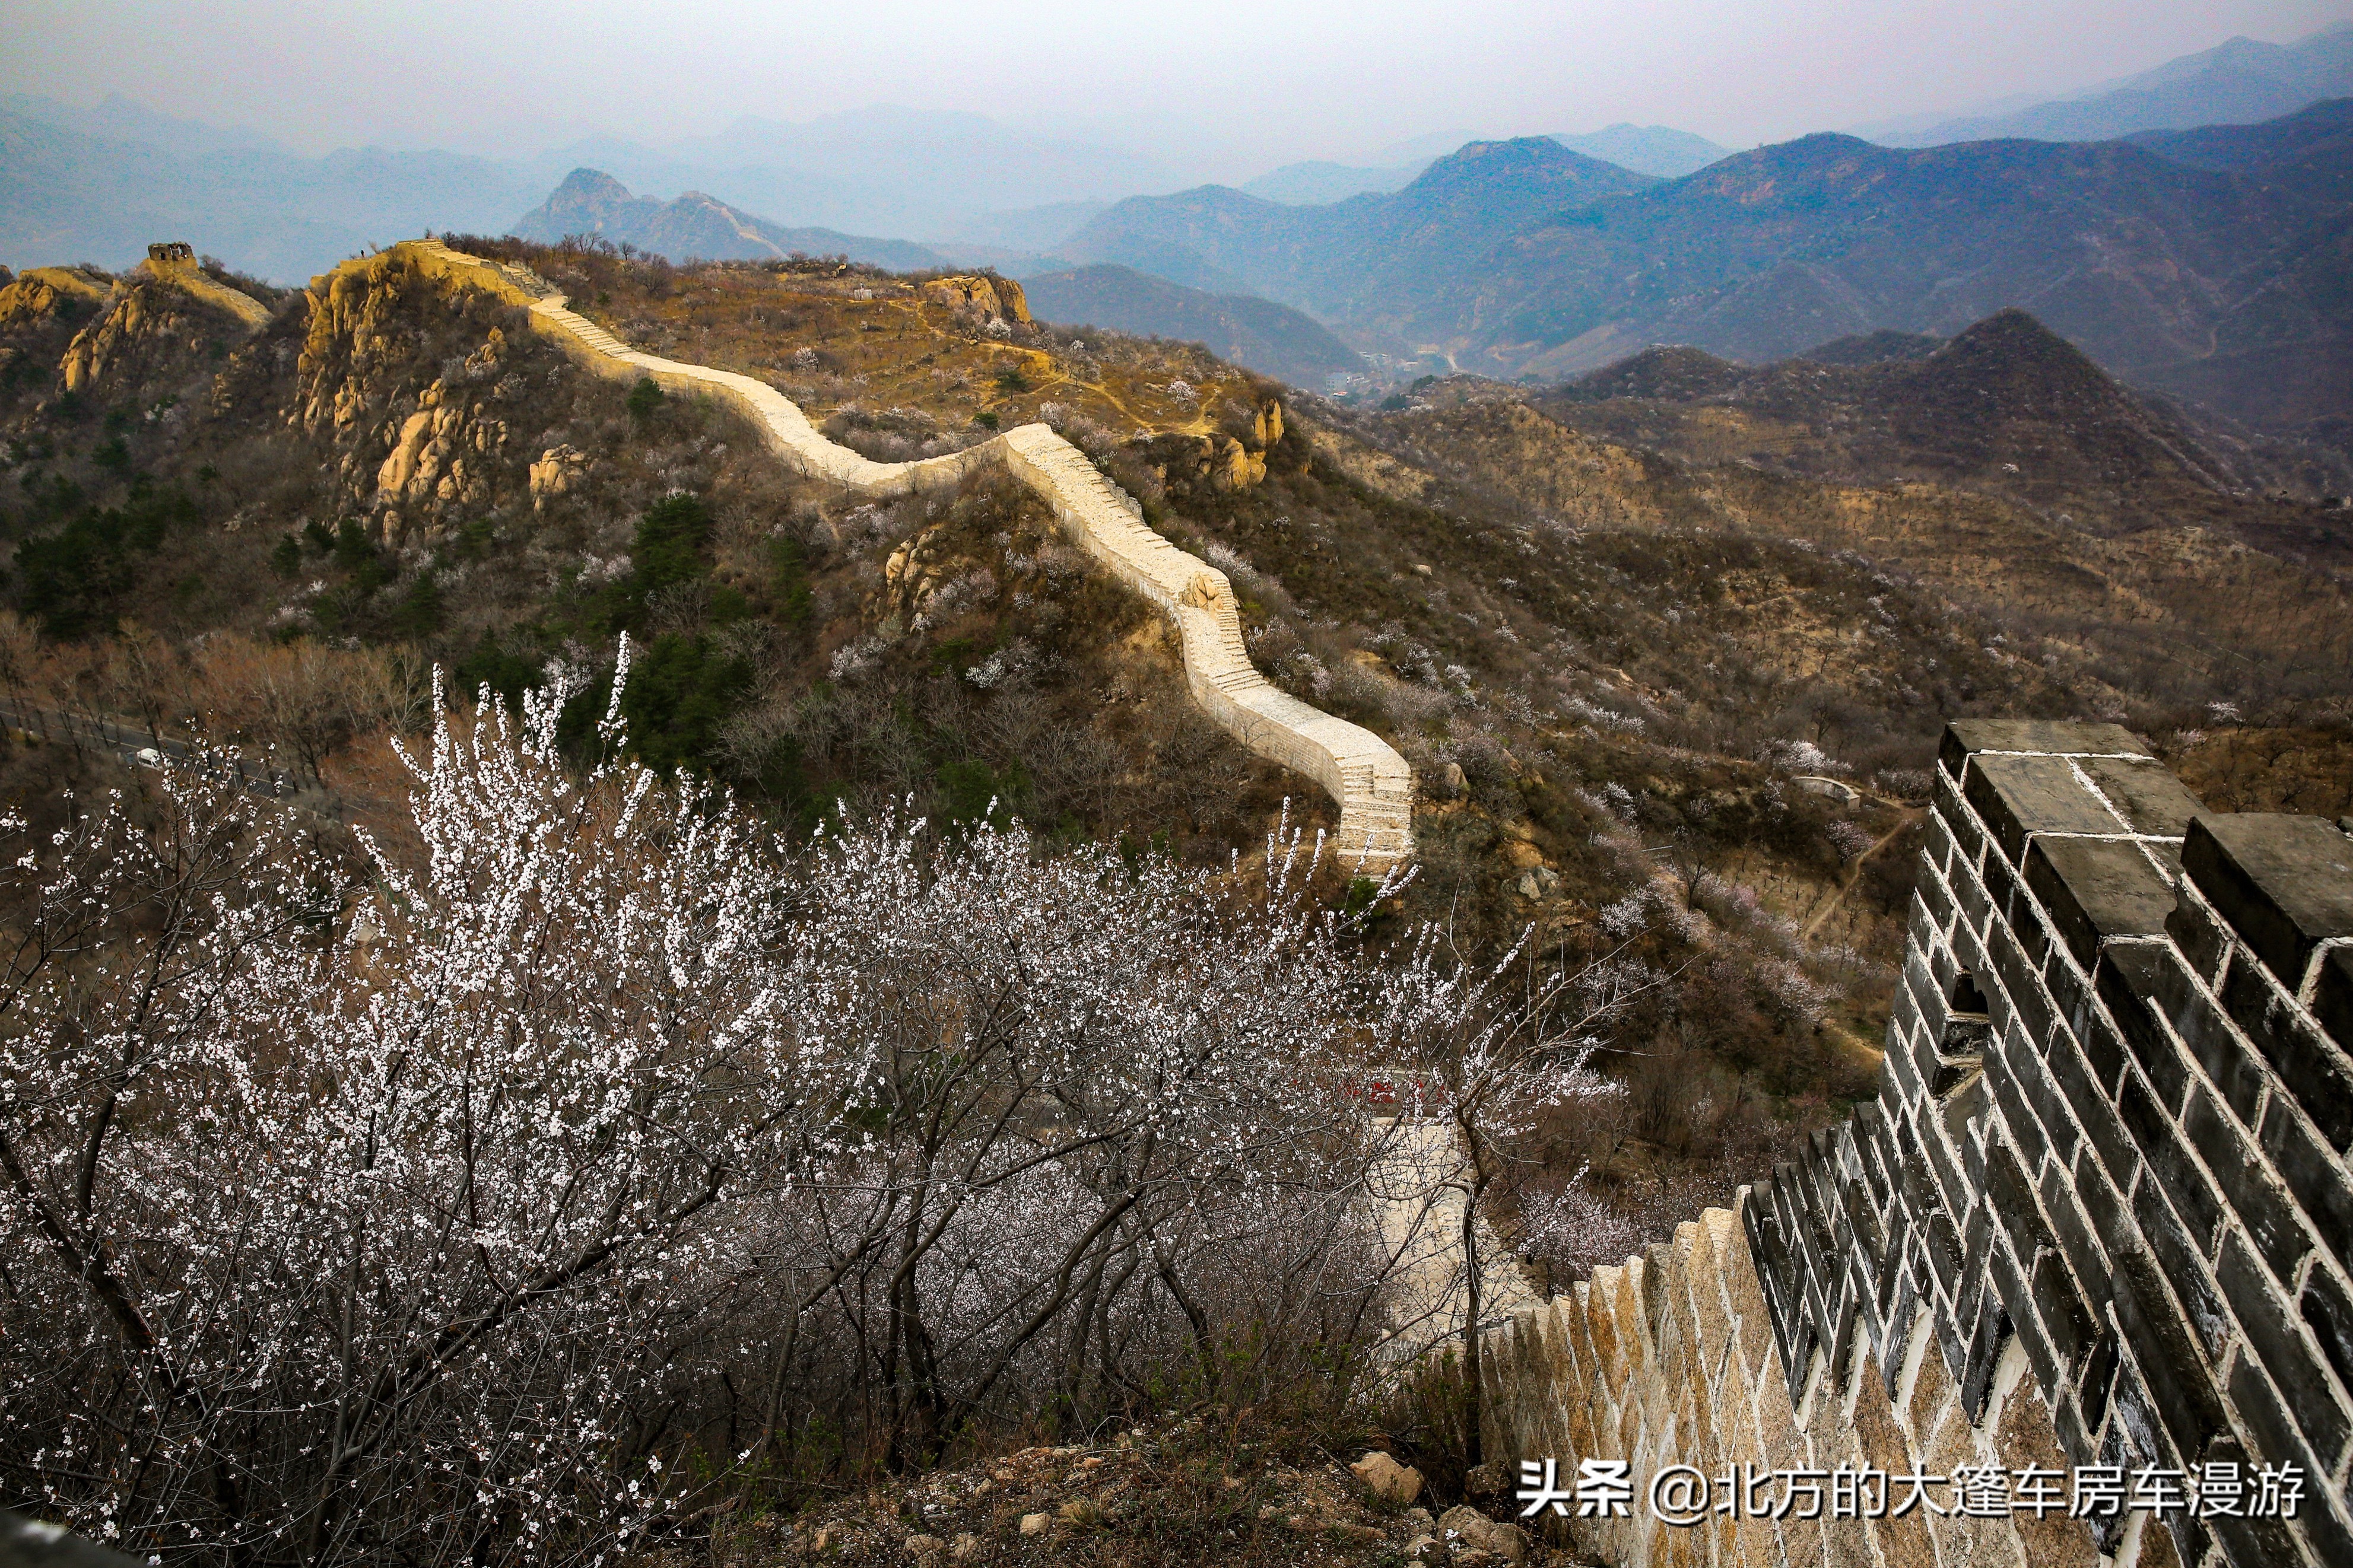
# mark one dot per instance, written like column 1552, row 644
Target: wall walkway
column 1372, row 784
column 1416, row 1190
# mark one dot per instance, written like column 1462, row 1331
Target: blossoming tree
column 460, row 1201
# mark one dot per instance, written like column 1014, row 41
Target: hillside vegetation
column 1670, row 709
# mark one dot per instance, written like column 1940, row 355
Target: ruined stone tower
column 2099, row 1216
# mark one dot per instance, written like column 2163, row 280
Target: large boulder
column 559, row 469
column 990, row 299
column 1386, row 1480
column 1479, row 1532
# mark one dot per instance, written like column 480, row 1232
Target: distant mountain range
column 99, row 183
column 115, row 118
column 2311, row 151
column 2217, row 277
column 1318, row 184
column 2236, row 83
column 68, row 196
column 1270, row 337
column 903, row 171
column 2202, row 263
column 592, row 202
column 1351, row 260
column 1645, row 149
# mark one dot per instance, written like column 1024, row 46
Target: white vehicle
column 148, row 757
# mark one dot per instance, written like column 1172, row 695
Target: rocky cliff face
column 156, row 326
column 422, row 410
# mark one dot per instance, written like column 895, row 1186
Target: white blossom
column 444, row 1205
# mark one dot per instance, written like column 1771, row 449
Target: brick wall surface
column 2101, row 1212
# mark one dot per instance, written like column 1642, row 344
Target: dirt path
column 1912, row 814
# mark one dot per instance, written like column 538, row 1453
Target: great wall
column 1371, row 784
column 2100, row 1214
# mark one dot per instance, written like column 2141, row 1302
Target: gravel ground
column 1184, row 1495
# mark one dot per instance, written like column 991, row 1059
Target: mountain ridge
column 1273, row 339
column 2238, row 81
column 2006, row 407
column 592, row 202
column 1461, row 203
column 1658, row 150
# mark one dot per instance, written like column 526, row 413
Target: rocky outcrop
column 45, row 291
column 160, row 312
column 431, row 456
column 426, row 418
column 989, row 299
column 39, row 311
column 1219, row 462
column 1371, row 784
column 559, row 470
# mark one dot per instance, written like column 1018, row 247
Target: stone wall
column 1372, row 784
column 2100, row 1214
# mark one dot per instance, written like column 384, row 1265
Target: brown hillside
column 1622, row 680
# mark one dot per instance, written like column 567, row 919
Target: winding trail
column 1372, row 784
column 1854, row 873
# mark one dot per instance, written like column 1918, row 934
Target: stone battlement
column 2101, row 1212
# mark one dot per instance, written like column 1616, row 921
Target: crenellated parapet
column 2100, row 1214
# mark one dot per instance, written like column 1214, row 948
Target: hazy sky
column 1226, row 86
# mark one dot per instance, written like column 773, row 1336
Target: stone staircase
column 1416, row 1190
